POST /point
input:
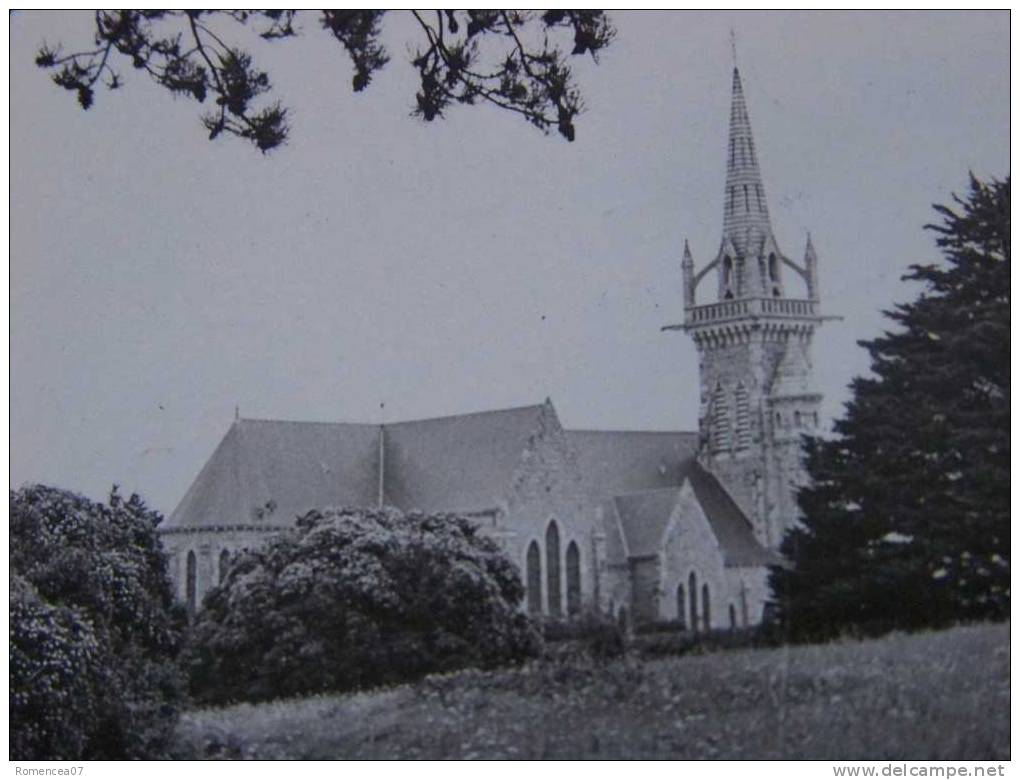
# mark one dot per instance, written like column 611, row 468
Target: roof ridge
column 628, row 430
column 306, row 422
column 394, row 422
column 630, row 493
column 467, row 414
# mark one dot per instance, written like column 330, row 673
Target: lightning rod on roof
column 237, row 413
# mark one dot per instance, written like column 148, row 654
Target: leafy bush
column 353, row 598
column 92, row 629
column 55, row 676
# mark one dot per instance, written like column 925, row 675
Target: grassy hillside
column 941, row 695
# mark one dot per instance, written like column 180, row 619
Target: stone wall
column 207, row 544
column 547, row 487
column 748, row 592
column 690, row 547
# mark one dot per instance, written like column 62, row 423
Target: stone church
column 650, row 526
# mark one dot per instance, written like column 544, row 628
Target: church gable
column 692, row 571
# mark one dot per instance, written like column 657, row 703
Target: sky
column 378, row 268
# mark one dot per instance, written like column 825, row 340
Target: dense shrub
column 657, row 642
column 55, row 676
column 92, row 630
column 660, row 626
column 595, row 635
column 357, row 598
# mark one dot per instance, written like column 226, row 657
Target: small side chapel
column 650, row 526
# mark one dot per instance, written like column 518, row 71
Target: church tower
column 753, row 338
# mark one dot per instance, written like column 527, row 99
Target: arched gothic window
column 552, row 568
column 224, row 564
column 534, row 579
column 720, row 420
column 692, row 593
column 747, row 200
column 705, row 608
column 573, row 579
column 773, row 268
column 796, row 419
column 727, row 276
column 191, row 582
column 681, row 606
column 733, row 616
column 743, row 409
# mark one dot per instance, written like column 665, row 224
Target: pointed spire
column 746, row 215
column 811, row 268
column 687, row 267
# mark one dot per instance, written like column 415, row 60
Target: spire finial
column 237, row 413
column 733, row 47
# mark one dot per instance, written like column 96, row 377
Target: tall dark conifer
column 906, row 523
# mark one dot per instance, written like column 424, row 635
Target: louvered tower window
column 720, row 420
column 743, row 427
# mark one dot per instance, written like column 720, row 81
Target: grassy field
column 941, row 695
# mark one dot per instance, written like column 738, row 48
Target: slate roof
column 616, row 462
column 616, row 545
column 731, row 527
column 268, row 472
column 295, row 465
column 644, row 518
column 461, row 463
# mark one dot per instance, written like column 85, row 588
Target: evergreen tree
column 513, row 60
column 906, row 522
